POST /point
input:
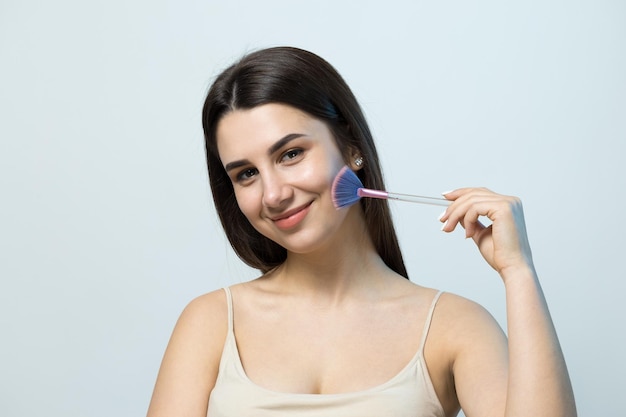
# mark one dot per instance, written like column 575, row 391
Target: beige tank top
column 408, row 394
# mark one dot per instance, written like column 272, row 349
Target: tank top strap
column 229, row 303
column 429, row 319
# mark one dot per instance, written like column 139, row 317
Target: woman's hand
column 504, row 243
column 538, row 382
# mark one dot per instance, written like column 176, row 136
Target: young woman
column 333, row 327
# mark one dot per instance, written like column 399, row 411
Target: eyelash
column 242, row 177
column 285, row 156
column 288, row 156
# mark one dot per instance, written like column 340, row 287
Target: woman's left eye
column 291, row 154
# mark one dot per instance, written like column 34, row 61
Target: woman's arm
column 538, row 383
column 191, row 361
column 537, row 368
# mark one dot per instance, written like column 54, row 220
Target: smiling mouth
column 292, row 217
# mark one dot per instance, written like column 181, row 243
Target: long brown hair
column 305, row 81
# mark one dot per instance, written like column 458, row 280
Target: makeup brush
column 347, row 189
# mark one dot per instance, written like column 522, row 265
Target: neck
column 348, row 266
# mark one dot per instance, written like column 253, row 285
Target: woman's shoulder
column 211, row 305
column 456, row 313
column 456, row 321
column 204, row 320
column 461, row 325
column 191, row 361
column 212, row 308
column 459, row 307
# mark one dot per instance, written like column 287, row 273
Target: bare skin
column 311, row 324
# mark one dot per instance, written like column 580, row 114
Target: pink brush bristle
column 345, row 188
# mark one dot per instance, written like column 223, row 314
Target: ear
column 356, row 160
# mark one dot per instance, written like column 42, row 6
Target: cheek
column 246, row 202
column 322, row 175
column 315, row 178
column 335, row 165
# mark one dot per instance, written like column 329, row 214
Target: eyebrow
column 272, row 149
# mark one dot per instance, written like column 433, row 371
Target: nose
column 276, row 191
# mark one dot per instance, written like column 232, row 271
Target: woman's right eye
column 246, row 174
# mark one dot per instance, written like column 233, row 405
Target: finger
column 467, row 210
column 470, row 222
column 461, row 195
column 460, row 192
column 479, row 236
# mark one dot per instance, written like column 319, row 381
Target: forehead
column 261, row 126
column 262, row 120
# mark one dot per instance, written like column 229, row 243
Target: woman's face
column 282, row 163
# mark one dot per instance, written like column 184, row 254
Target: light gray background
column 107, row 228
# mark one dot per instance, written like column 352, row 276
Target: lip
column 292, row 217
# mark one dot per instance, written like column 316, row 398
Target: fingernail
column 446, row 192
column 444, row 225
column 441, row 215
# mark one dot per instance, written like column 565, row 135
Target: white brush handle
column 419, row 199
column 366, row 192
